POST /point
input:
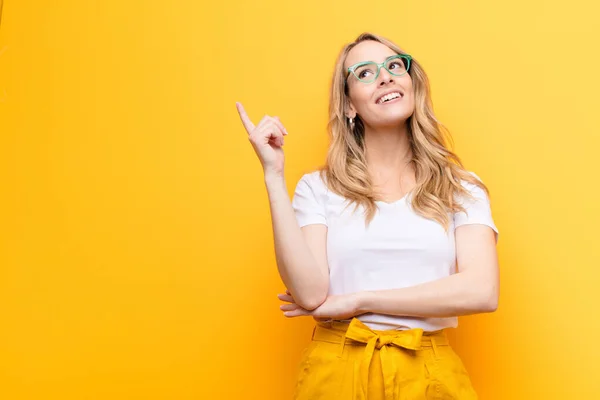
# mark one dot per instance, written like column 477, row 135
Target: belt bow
column 408, row 339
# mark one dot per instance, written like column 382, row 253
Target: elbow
column 491, row 306
column 311, row 304
column 484, row 294
column 314, row 299
column 489, row 302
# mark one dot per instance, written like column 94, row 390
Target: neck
column 387, row 150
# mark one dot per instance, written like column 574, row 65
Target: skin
column 475, row 286
column 386, row 132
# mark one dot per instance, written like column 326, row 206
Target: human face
column 366, row 98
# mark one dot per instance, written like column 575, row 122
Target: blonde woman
column 387, row 244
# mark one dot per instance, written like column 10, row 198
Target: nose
column 384, row 77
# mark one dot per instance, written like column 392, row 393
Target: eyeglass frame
column 352, row 68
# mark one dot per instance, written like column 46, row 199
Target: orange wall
column 136, row 257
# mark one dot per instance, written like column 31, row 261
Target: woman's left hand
column 334, row 307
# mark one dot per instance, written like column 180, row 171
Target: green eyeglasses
column 368, row 71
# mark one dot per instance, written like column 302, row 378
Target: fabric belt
column 357, row 333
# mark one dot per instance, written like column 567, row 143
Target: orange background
column 136, row 257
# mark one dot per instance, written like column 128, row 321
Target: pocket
column 452, row 360
column 324, row 374
column 302, row 368
column 451, row 378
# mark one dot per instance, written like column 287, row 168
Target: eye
column 364, row 73
column 396, row 65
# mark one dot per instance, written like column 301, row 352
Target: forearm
column 458, row 294
column 302, row 276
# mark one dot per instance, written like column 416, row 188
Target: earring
column 351, row 120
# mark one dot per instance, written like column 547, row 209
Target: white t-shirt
column 399, row 248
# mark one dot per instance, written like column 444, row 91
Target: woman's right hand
column 267, row 139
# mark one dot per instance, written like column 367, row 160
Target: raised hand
column 267, row 140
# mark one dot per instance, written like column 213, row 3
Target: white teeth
column 387, row 97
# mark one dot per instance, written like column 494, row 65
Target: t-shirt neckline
column 401, row 199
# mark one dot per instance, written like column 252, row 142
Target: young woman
column 388, row 243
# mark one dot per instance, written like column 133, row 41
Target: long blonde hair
column 438, row 170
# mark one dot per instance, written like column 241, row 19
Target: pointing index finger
column 245, row 119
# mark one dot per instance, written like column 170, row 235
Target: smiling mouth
column 389, row 97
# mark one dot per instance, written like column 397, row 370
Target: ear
column 351, row 111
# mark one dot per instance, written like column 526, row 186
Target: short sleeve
column 478, row 211
column 309, row 200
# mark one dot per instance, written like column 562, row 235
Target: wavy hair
column 439, row 171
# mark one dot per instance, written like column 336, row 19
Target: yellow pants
column 350, row 361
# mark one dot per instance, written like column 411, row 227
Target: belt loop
column 342, row 345
column 434, row 346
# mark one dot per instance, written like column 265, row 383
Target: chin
column 393, row 120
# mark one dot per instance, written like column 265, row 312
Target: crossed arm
column 473, row 289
